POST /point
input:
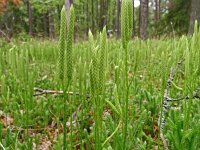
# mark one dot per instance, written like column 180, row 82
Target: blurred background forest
column 152, row 18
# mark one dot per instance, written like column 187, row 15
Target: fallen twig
column 7, row 38
column 40, row 91
column 166, row 94
column 164, row 141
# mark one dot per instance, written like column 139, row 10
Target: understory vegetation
column 100, row 94
column 28, row 117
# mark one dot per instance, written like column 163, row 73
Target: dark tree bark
column 88, row 17
column 118, row 17
column 143, row 22
column 97, row 13
column 157, row 11
column 103, row 13
column 46, row 23
column 194, row 15
column 30, row 18
column 93, row 23
column 51, row 26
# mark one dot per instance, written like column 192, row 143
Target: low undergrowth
column 29, row 120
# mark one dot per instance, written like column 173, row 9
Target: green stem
column 65, row 97
column 126, row 96
column 112, row 134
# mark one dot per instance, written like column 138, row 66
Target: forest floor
column 31, row 98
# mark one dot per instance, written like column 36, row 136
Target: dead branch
column 40, row 91
column 164, row 141
column 7, row 38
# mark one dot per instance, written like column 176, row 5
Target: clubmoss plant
column 62, row 45
column 95, row 98
column 70, row 34
column 69, row 70
column 126, row 32
column 66, row 49
column 97, row 79
column 61, row 67
column 102, row 61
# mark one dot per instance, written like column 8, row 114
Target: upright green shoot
column 62, row 45
column 97, row 79
column 69, row 63
column 126, row 32
column 66, row 50
column 61, row 67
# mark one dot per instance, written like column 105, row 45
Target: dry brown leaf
column 6, row 120
column 45, row 144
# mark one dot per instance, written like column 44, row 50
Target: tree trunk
column 103, row 13
column 97, row 13
column 114, row 18
column 118, row 17
column 143, row 22
column 157, row 11
column 30, row 18
column 194, row 15
column 51, row 26
column 93, row 16
column 88, row 17
column 46, row 23
column 68, row 3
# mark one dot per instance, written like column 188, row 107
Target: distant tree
column 2, row 6
column 10, row 16
column 177, row 16
column 93, row 17
column 157, row 11
column 30, row 19
column 4, row 3
column 68, row 3
column 88, row 17
column 103, row 14
column 118, row 17
column 194, row 15
column 46, row 22
column 111, row 14
column 143, row 19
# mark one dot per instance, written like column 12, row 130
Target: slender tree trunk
column 103, row 11
column 58, row 10
column 118, row 17
column 194, row 15
column 93, row 23
column 30, row 18
column 114, row 18
column 143, row 22
column 46, row 23
column 157, row 11
column 68, row 3
column 88, row 17
column 97, row 13
column 51, row 26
